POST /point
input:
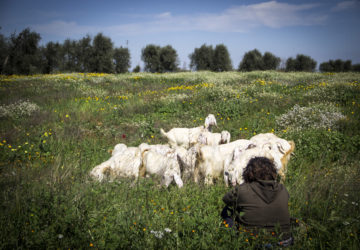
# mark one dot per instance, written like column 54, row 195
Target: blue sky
column 324, row 30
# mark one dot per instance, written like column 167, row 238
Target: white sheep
column 233, row 169
column 160, row 148
column 165, row 166
column 281, row 149
column 186, row 137
column 212, row 139
column 211, row 159
column 187, row 161
column 123, row 163
column 119, row 148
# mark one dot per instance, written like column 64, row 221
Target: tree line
column 21, row 54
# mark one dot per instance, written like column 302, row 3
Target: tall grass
column 48, row 200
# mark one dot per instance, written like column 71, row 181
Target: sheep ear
column 237, row 153
column 280, row 147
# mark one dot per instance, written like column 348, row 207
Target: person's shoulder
column 242, row 187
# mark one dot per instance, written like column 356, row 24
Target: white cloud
column 345, row 5
column 242, row 18
column 164, row 15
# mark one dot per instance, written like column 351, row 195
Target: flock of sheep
column 194, row 154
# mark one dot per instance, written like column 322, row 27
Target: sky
column 323, row 29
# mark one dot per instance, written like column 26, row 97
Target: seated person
column 260, row 202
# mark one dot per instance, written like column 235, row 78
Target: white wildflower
column 157, row 234
column 168, row 230
column 316, row 116
column 18, row 109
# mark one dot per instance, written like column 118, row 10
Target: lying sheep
column 212, row 139
column 280, row 149
column 160, row 148
column 118, row 149
column 186, row 137
column 233, row 169
column 124, row 162
column 211, row 159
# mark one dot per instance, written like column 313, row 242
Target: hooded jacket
column 260, row 204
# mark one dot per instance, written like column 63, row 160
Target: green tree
column 68, row 56
column 270, row 61
column 252, row 60
column 4, row 52
column 221, row 60
column 137, row 69
column 300, row 63
column 168, row 59
column 290, row 64
column 356, row 67
column 102, row 54
column 336, row 66
column 122, row 60
column 24, row 54
column 326, row 67
column 51, row 57
column 347, row 66
column 151, row 57
column 84, row 52
column 202, row 58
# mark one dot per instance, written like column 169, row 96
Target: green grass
column 47, row 199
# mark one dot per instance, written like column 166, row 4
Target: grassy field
column 56, row 128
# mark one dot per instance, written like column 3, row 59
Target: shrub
column 317, row 116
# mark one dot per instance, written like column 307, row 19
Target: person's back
column 260, row 202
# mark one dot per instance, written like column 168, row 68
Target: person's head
column 259, row 168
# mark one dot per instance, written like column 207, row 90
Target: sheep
column 186, row 137
column 166, row 166
column 187, row 161
column 211, row 159
column 119, row 148
column 212, row 139
column 123, row 163
column 160, row 148
column 280, row 148
column 235, row 166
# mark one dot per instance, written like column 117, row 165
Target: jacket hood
column 266, row 190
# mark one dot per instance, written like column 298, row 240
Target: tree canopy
column 254, row 60
column 301, row 63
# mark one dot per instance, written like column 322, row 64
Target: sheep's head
column 231, row 172
column 170, row 176
column 286, row 155
column 119, row 148
column 210, row 121
column 231, row 175
column 225, row 137
column 202, row 139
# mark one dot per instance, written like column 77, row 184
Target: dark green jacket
column 264, row 205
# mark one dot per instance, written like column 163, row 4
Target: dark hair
column 259, row 168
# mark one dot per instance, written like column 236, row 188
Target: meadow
column 56, row 128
